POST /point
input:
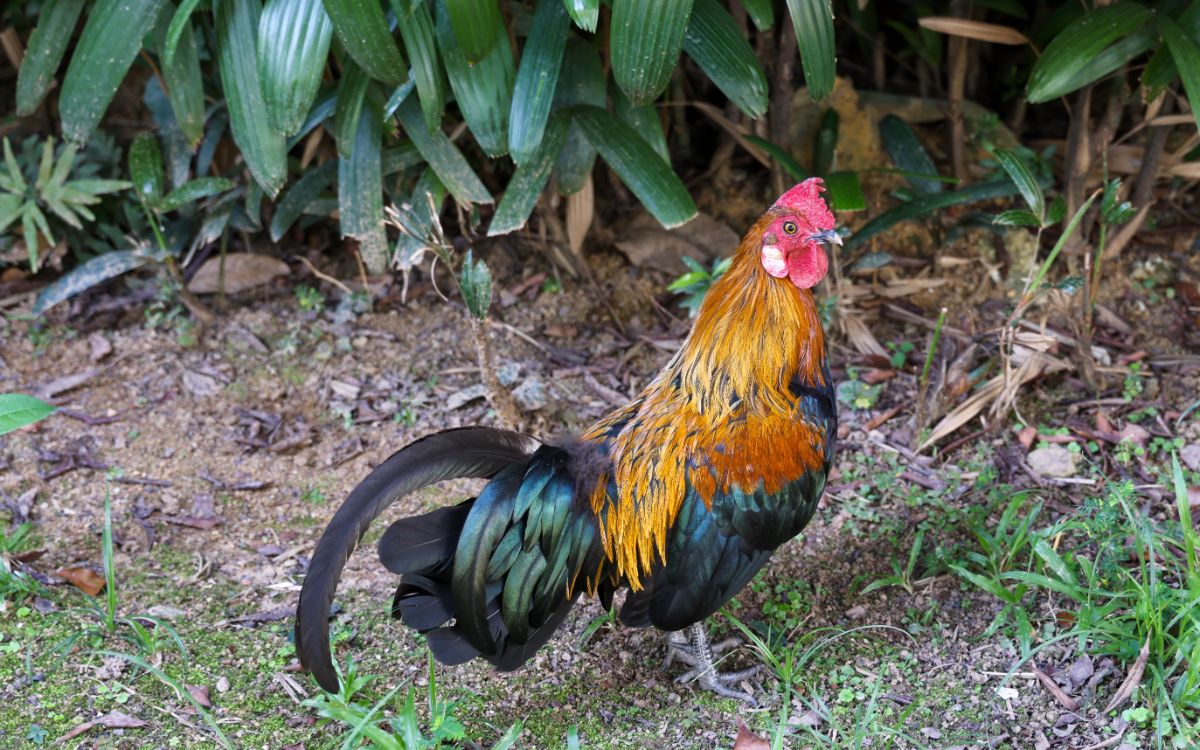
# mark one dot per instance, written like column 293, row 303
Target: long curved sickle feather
column 466, row 452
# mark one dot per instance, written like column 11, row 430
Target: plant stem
column 501, row 399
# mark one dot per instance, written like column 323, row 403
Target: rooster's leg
column 695, row 650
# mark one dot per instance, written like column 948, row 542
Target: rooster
column 680, row 496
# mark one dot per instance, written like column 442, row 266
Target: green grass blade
column 718, row 46
column 1076, row 47
column 812, row 21
column 44, row 53
column 477, row 27
column 18, row 410
column 442, row 155
column 416, row 29
column 645, row 42
column 183, row 78
column 928, row 204
column 1186, row 54
column 85, row 276
column 530, row 179
column 483, row 89
column 653, row 182
column 299, row 196
column 293, row 43
column 360, row 191
column 111, row 39
column 262, row 147
column 1024, row 180
column 585, row 13
column 537, row 78
column 1058, row 246
column 908, row 154
column 581, row 82
column 362, row 29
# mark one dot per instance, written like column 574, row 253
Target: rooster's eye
column 789, row 227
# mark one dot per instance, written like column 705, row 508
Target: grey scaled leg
column 695, row 651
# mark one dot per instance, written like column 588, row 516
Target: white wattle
column 773, row 261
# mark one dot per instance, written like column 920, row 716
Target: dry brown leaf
column 703, row 239
column 580, row 209
column 1065, row 700
column 86, row 580
column 984, row 32
column 200, row 694
column 861, row 337
column 747, row 740
column 242, row 271
column 1132, row 680
column 110, row 720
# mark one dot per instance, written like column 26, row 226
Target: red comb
column 805, row 199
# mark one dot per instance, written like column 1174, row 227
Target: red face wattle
column 789, row 247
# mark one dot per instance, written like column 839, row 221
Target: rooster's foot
column 693, row 649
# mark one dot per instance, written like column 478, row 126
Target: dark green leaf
column 360, row 192
column 928, row 204
column 718, row 46
column 416, row 29
column 789, row 164
column 352, row 91
column 643, row 119
column 1161, row 70
column 908, row 154
column 581, row 82
column 293, row 43
column 400, row 157
column 655, row 185
column 476, row 283
column 183, row 79
column 362, row 29
column 18, row 410
column 812, row 21
column 585, row 13
column 84, row 277
column 262, row 146
column 825, row 142
column 111, row 39
column 645, row 41
column 1024, row 180
column 1017, row 218
column 180, row 20
column 194, row 190
column 477, row 27
column 537, row 78
column 761, row 12
column 1186, row 54
column 146, row 169
column 1113, row 58
column 44, row 53
column 1077, row 46
column 442, row 155
column 483, row 89
column 530, row 179
column 845, row 191
column 299, row 195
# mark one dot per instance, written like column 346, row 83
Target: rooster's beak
column 829, row 237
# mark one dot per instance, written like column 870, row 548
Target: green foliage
column 35, row 194
column 18, row 410
column 1122, row 583
column 694, row 284
column 475, row 281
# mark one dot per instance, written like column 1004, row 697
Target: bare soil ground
column 226, row 456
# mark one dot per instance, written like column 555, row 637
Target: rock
column 459, row 399
column 857, row 612
column 199, row 384
column 165, row 612
column 99, row 346
column 1052, row 461
column 531, row 394
column 222, row 684
column 508, row 373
